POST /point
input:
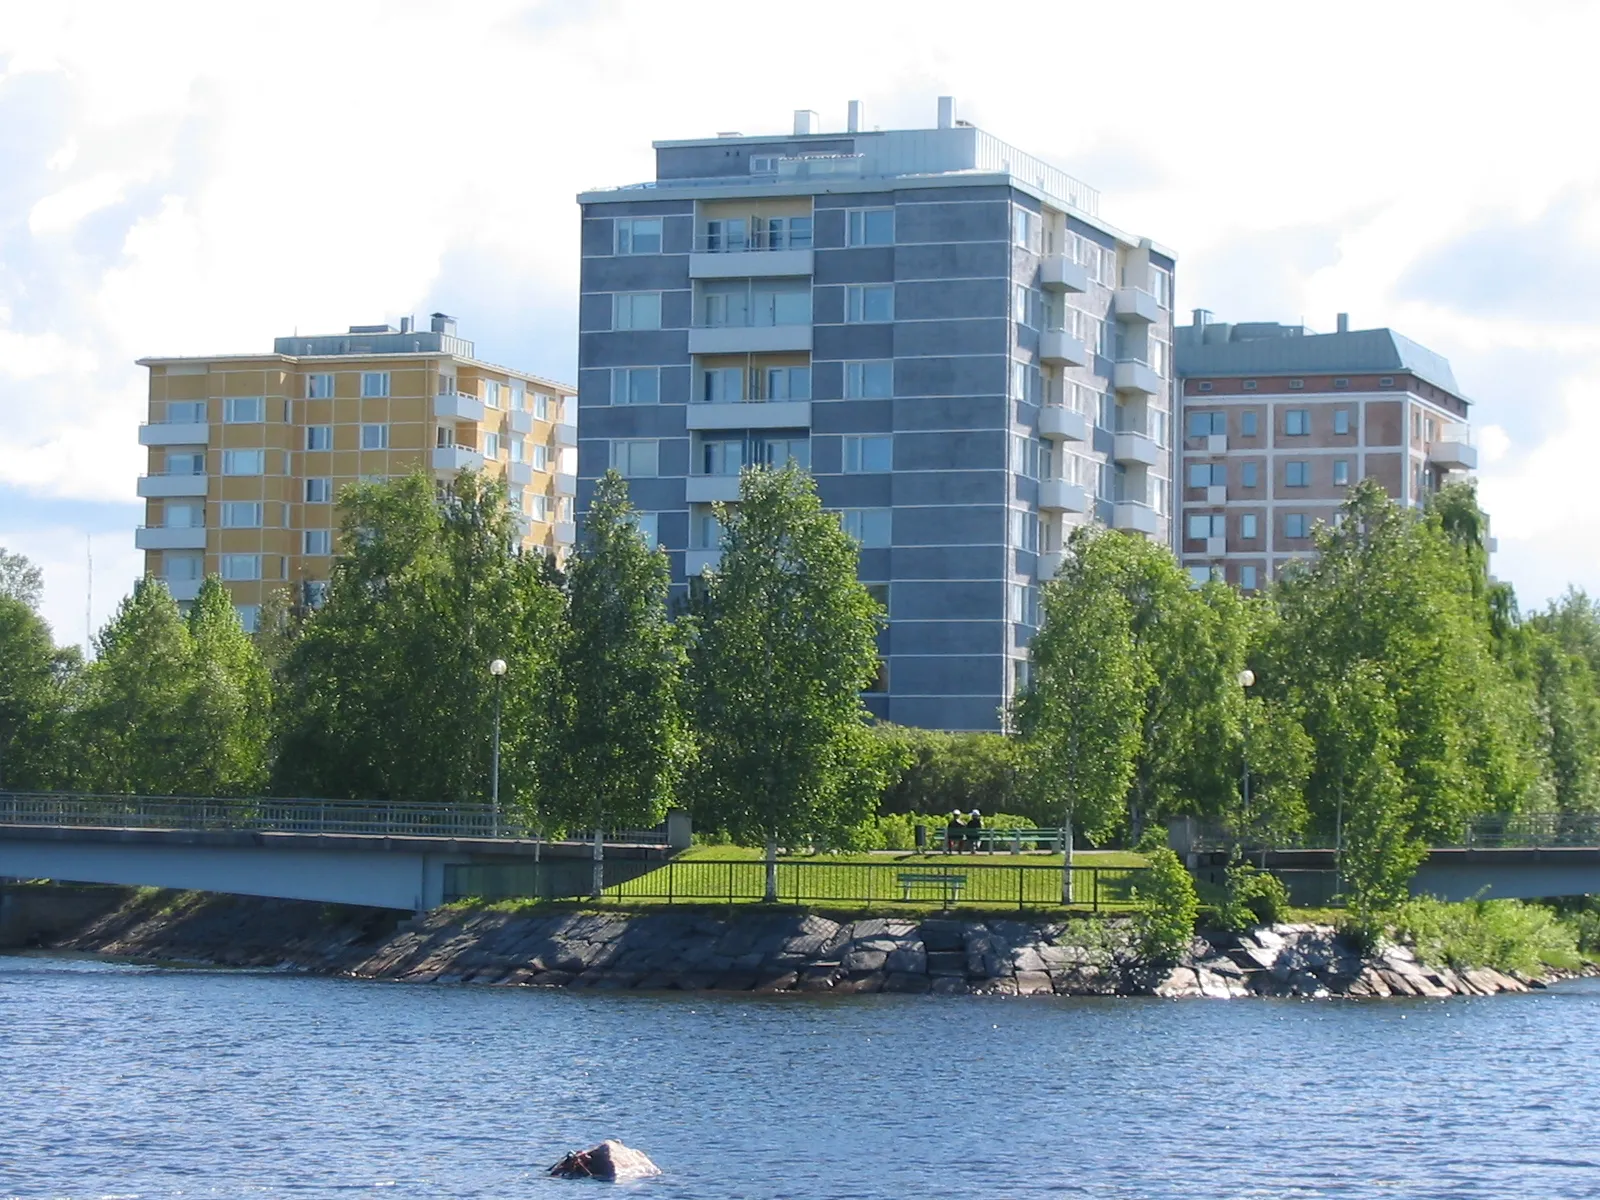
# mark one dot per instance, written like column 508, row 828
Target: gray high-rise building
column 940, row 327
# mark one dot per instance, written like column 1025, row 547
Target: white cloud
column 61, row 211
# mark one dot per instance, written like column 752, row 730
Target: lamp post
column 497, row 668
column 1247, row 679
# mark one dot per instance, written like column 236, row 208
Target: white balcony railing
column 175, row 433
column 1453, row 449
column 458, row 405
column 169, row 537
column 158, row 487
column 1137, row 305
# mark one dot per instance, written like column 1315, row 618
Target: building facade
column 248, row 453
column 940, row 327
column 1279, row 422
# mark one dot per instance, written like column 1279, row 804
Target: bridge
column 386, row 855
column 1496, row 857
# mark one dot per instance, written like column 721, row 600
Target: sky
column 200, row 178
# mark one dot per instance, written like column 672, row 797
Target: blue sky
column 194, row 178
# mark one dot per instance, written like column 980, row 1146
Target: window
column 763, row 164
column 1341, row 383
column 519, row 396
column 1249, row 385
column 319, row 491
column 780, row 451
column 1205, row 385
column 318, row 542
column 869, row 380
column 1247, row 424
column 491, row 393
column 1249, row 475
column 543, row 405
column 374, row 383
column 319, row 386
column 1294, row 525
column 1206, row 525
column 1025, row 228
column 244, row 410
column 722, row 385
column 784, row 233
column 188, row 462
column 1207, row 474
column 869, row 526
column 315, row 593
column 636, row 310
column 1296, row 385
column 1297, row 422
column 241, row 515
column 1026, row 306
column 629, row 385
column 1204, row 424
column 1023, row 604
column 540, row 459
column 186, row 412
column 781, row 383
column 1247, row 578
column 182, row 567
column 869, row 227
column 1341, row 472
column 182, row 514
column 374, row 437
column 491, row 445
column 244, row 462
column 866, row 302
column 1297, row 474
column 726, row 234
column 865, row 453
column 241, row 566
column 1199, row 576
column 249, row 616
column 539, row 507
column 639, row 235
column 1341, row 420
column 1025, row 530
column 705, row 531
column 1386, row 382
column 517, row 447
column 743, row 304
column 636, row 459
column 1248, row 526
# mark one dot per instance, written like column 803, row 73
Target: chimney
column 405, row 324
column 444, row 323
column 1344, row 322
column 1202, row 317
column 947, row 112
column 805, row 121
column 853, row 123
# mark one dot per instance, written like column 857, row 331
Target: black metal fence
column 743, row 881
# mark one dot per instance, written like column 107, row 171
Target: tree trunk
column 597, row 883
column 771, row 896
column 1066, row 861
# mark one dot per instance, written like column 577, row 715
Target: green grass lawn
column 1081, row 858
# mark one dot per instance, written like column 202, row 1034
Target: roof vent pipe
column 405, row 324
column 1344, row 322
column 853, row 123
column 805, row 121
column 947, row 112
column 1202, row 317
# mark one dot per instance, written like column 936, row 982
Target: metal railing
column 1531, row 831
column 724, row 243
column 743, row 881
column 265, row 814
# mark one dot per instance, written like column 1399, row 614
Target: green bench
column 995, row 841
column 949, row 885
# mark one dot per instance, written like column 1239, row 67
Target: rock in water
column 610, row 1161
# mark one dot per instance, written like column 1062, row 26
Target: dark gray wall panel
column 967, row 713
column 953, row 221
column 950, row 487
column 973, row 526
column 635, row 208
column 634, row 420
column 951, row 412
column 866, row 264
column 949, row 562
column 950, row 637
column 854, row 491
column 852, row 416
column 837, row 200
column 976, row 601
column 944, row 675
column 637, row 273
column 950, row 298
column 633, row 349
column 827, row 305
column 990, row 336
column 976, row 375
column 950, row 452
column 952, row 260
column 853, row 341
column 594, row 313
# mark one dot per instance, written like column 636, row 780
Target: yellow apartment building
column 248, row 452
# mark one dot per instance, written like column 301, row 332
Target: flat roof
column 269, row 356
column 1358, row 350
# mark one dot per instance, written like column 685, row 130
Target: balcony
column 169, row 537
column 1057, row 495
column 706, row 489
column 183, row 590
column 1454, row 450
column 1136, row 305
column 524, row 524
column 1134, row 447
column 1057, row 421
column 696, row 562
column 1216, row 443
column 1217, row 493
column 566, row 485
column 458, row 406
column 1135, row 375
column 748, row 263
column 157, row 487
column 749, row 339
column 566, row 434
column 1058, row 273
column 1216, row 547
column 521, row 422
column 1059, row 347
column 1131, row 516
column 457, row 458
column 751, row 414
column 519, row 473
column 177, row 433
column 566, row 533
column 1048, row 565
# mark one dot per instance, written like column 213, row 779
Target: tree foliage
column 36, row 681
column 20, row 579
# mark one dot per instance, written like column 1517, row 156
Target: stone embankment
column 755, row 951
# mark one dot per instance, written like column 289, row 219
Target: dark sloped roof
column 1359, row 351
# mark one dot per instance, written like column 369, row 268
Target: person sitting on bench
column 974, row 830
column 955, row 831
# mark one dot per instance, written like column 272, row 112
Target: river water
column 125, row 1081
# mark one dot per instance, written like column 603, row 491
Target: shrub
column 1585, row 926
column 1508, row 935
column 1168, row 907
column 1253, row 898
column 950, row 770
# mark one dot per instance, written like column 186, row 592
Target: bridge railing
column 1490, row 832
column 394, row 818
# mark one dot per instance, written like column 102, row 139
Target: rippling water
column 121, row 1081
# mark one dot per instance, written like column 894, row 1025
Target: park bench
column 1015, row 840
column 949, row 885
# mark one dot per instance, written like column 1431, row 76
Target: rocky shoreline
column 751, row 951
